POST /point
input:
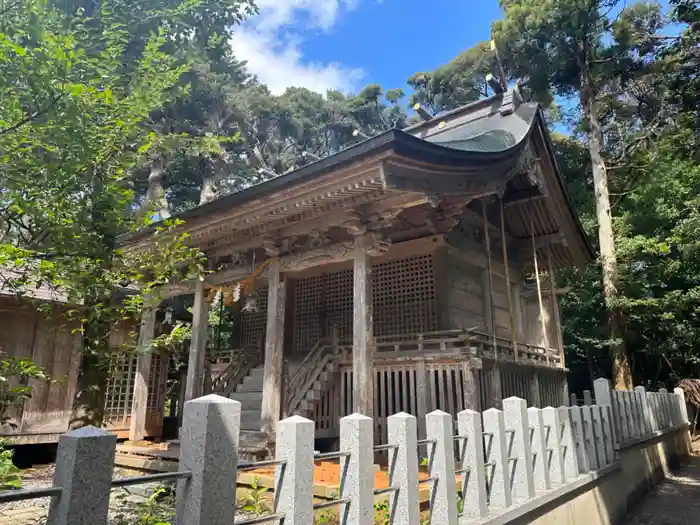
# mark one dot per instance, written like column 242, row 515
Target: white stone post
column 629, row 423
column 209, row 450
column 516, row 420
column 573, row 400
column 568, row 447
column 589, row 437
column 587, row 398
column 357, row 440
column 652, row 398
column 664, row 407
column 295, row 478
column 84, row 464
column 638, row 414
column 645, row 410
column 439, row 427
column 554, row 444
column 682, row 407
column 604, row 397
column 675, row 413
column 599, row 436
column 403, row 464
column 579, row 438
column 494, row 428
column 540, row 457
column 608, row 432
column 474, row 475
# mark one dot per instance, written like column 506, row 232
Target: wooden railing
column 470, row 342
column 300, row 387
column 240, row 363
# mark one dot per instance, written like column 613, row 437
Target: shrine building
column 410, row 272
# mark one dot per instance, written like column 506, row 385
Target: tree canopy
column 115, row 112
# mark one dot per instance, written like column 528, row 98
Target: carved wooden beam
column 376, row 245
column 222, row 277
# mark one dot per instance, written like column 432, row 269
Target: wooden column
column 496, row 393
column 518, row 311
column 198, row 343
column 554, row 317
column 504, row 245
column 362, row 337
column 543, row 322
column 139, row 405
column 472, row 397
column 274, row 350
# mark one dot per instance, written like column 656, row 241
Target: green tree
column 78, row 87
column 592, row 51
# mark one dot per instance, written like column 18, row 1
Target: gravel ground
column 123, row 501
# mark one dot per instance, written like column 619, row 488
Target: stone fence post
column 497, row 460
column 209, row 450
column 84, row 465
column 682, row 407
column 539, row 449
column 403, row 464
column 439, row 427
column 516, row 420
column 474, row 474
column 357, row 440
column 295, row 478
column 579, row 438
column 604, row 397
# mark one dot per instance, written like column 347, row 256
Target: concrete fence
column 505, row 462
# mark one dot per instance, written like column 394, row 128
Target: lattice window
column 404, row 296
column 119, row 394
column 156, row 382
column 254, row 324
column 321, row 302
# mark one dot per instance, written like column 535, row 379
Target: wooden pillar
column 274, row 350
column 362, row 337
column 198, row 343
column 139, row 404
column 518, row 312
column 472, row 397
column 554, row 317
column 511, row 314
column 543, row 321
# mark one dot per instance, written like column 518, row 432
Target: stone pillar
column 137, row 429
column 274, row 350
column 198, row 343
column 209, row 450
column 362, row 337
column 295, row 479
column 84, row 464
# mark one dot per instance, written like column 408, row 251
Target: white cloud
column 270, row 43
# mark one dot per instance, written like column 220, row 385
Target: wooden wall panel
column 466, row 296
column 46, row 338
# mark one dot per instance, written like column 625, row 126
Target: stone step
column 250, row 419
column 248, row 400
column 250, row 386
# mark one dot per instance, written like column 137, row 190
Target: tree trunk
column 622, row 375
column 156, row 199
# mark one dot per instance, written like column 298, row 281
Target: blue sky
column 345, row 44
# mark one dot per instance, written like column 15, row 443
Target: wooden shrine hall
column 409, row 272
